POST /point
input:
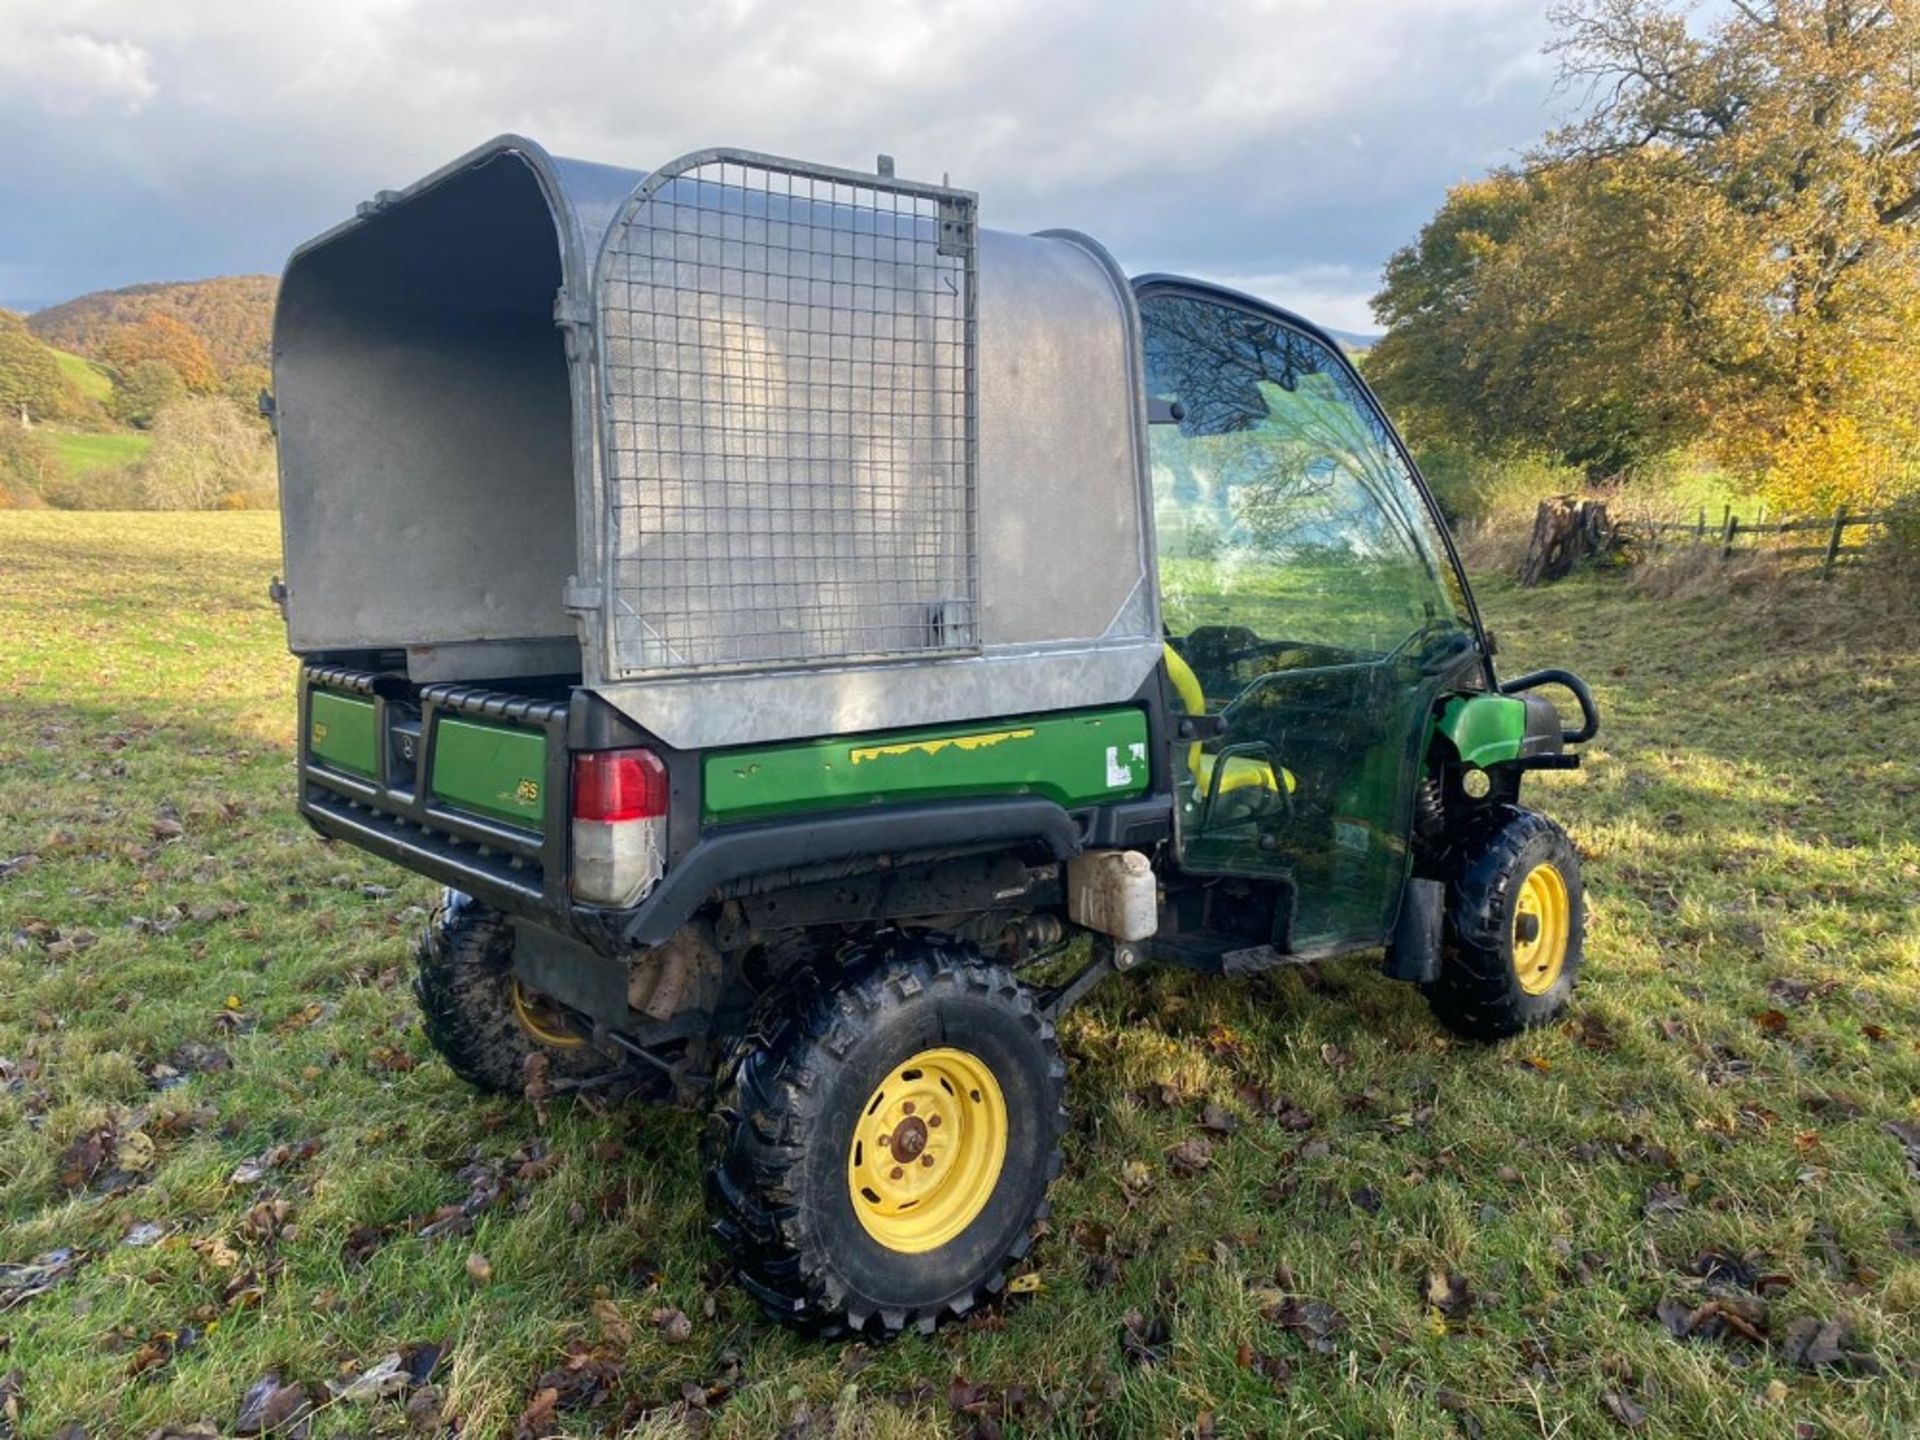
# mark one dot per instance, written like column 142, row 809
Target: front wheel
column 1516, row 924
column 881, row 1153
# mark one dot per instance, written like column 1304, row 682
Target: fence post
column 1733, row 528
column 1833, row 542
column 1700, row 529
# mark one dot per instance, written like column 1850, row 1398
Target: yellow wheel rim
column 1542, row 926
column 540, row 1020
column 927, row 1150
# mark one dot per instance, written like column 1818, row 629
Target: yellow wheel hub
column 1542, row 927
column 539, row 1018
column 927, row 1150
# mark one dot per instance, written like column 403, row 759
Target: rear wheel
column 480, row 1018
column 1516, row 924
column 882, row 1151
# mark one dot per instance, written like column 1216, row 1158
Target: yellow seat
column 1242, row 772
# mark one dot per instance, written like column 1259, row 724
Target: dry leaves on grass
column 1145, row 1339
column 1624, row 1409
column 1664, row 1199
column 269, row 1405
column 22, row 1282
column 1190, row 1157
column 1315, row 1322
column 1908, row 1134
column 1814, row 1344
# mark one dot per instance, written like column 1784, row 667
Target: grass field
column 85, row 451
column 88, row 377
column 229, row 1153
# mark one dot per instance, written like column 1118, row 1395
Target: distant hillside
column 1357, row 343
column 233, row 314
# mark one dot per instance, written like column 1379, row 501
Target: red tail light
column 617, row 785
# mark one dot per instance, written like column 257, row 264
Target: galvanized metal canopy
column 755, row 448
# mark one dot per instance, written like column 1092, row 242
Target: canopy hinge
column 579, row 596
column 570, row 312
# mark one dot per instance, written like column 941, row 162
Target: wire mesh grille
column 788, row 358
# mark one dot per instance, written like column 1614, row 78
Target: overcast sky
column 1287, row 146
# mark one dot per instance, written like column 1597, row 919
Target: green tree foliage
column 1725, row 248
column 31, row 385
column 144, row 390
column 28, row 466
column 163, row 338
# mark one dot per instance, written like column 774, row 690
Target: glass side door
column 1310, row 606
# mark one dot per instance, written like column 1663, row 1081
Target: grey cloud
column 1291, row 143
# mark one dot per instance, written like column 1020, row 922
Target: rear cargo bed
column 463, row 784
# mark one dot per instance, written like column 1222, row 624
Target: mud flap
column 1413, row 954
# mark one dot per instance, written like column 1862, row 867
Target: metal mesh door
column 788, row 369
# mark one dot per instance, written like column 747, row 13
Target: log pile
column 1565, row 532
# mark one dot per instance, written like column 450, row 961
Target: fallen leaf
column 1314, row 1321
column 673, row 1324
column 1664, row 1199
column 1813, row 1344
column 1447, row 1293
column 1624, row 1409
column 613, row 1326
column 1774, row 1022
column 386, row 1376
column 269, row 1405
column 1218, row 1119
column 1190, row 1157
column 1027, row 1284
column 1908, row 1135
column 541, row 1417
column 1144, row 1339
column 21, row 1283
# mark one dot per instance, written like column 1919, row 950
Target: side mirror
column 1493, row 643
column 1164, row 412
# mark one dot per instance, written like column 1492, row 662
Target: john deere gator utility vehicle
column 782, row 613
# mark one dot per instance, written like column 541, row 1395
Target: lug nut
column 926, row 1160
column 897, row 1173
column 933, row 1122
column 906, row 1107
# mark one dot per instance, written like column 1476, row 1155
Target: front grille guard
column 395, row 815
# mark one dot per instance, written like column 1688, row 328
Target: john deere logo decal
column 527, row 792
column 319, row 732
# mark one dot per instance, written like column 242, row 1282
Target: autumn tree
column 207, row 453
column 163, row 338
column 1724, row 247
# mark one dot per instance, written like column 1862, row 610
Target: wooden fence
column 1831, row 546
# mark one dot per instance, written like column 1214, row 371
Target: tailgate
column 462, row 784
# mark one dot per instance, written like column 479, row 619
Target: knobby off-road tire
column 784, row 1170
column 463, row 979
column 1494, row 981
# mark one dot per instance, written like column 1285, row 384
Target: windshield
column 1282, row 503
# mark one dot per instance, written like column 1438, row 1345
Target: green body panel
column 1080, row 759
column 340, row 732
column 1484, row 729
column 493, row 770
